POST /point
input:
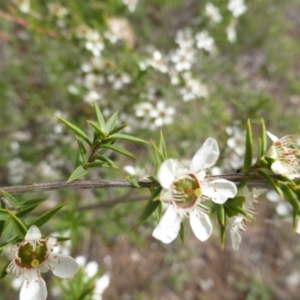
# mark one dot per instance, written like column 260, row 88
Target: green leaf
column 11, row 200
column 111, row 123
column 264, row 142
column 120, row 136
column 97, row 128
column 268, row 179
column 133, row 179
column 223, row 234
column 77, row 173
column 290, row 196
column 31, row 202
column 220, row 213
column 236, row 208
column 18, row 225
column 248, row 152
column 3, row 214
column 82, row 149
column 162, row 146
column 119, row 150
column 148, row 210
column 159, row 157
column 44, row 218
column 100, row 117
column 117, row 129
column 236, row 201
column 24, row 212
column 77, row 130
column 3, row 272
column 181, row 232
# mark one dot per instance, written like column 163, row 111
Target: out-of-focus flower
column 57, row 10
column 237, row 7
column 94, row 43
column 286, row 156
column 131, row 4
column 231, row 32
column 120, row 29
column 92, row 96
column 33, row 256
column 119, row 80
column 162, row 114
column 213, row 13
column 186, row 189
column 184, row 38
column 193, row 89
column 238, row 223
column 204, row 41
column 283, row 208
column 23, row 5
column 183, row 59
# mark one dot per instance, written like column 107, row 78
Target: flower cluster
column 33, row 256
column 185, row 190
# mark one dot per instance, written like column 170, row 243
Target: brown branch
column 121, row 183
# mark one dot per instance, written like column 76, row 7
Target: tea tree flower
column 33, row 256
column 185, row 190
column 286, row 156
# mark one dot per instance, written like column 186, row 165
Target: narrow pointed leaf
column 77, row 173
column 223, row 234
column 236, row 208
column 41, row 220
column 290, row 196
column 11, row 200
column 77, row 130
column 181, row 232
column 82, row 150
column 18, row 225
column 97, row 128
column 264, row 143
column 159, row 157
column 148, row 210
column 31, row 202
column 248, row 152
column 120, row 136
column 100, row 117
column 117, row 129
column 269, row 180
column 220, row 213
column 25, row 211
column 162, row 146
column 3, row 214
column 3, row 272
column 134, row 180
column 111, row 123
column 119, row 150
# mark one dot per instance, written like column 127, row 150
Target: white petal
column 91, row 269
column 236, row 239
column 63, row 266
column 34, row 290
column 273, row 137
column 272, row 152
column 219, row 190
column 33, row 234
column 168, row 227
column 278, row 168
column 166, row 173
column 102, row 284
column 206, row 156
column 201, row 225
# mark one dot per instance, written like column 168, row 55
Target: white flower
column 183, row 59
column 119, row 80
column 185, row 189
column 213, row 13
column 237, row 7
column 94, row 43
column 131, row 4
column 33, row 256
column 286, row 156
column 162, row 115
column 184, row 38
column 238, row 223
column 231, row 32
column 204, row 41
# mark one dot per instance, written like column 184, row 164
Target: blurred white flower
column 184, row 38
column 57, row 10
column 183, row 59
column 237, row 7
column 193, row 89
column 283, row 208
column 231, row 32
column 204, row 41
column 213, row 13
column 23, row 5
column 92, row 96
column 119, row 80
column 162, row 115
column 94, row 43
column 92, row 80
column 131, row 4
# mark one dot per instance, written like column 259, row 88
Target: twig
column 121, row 183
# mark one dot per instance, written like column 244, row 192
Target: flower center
column 186, row 191
column 31, row 255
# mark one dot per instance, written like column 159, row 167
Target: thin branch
column 121, row 183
